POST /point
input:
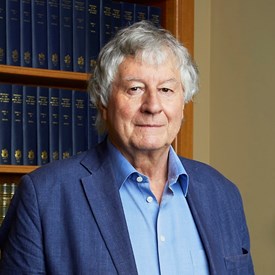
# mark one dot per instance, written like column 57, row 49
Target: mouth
column 149, row 125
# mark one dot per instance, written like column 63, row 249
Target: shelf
column 43, row 77
column 17, row 169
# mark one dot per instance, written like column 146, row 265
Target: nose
column 151, row 102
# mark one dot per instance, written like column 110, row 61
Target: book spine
column 17, row 125
column 92, row 33
column 154, row 14
column 29, row 125
column 128, row 13
column 54, row 124
column 26, row 33
column 5, row 124
column 116, row 17
column 66, row 35
column 141, row 12
column 3, row 40
column 65, row 124
column 42, row 125
column 7, row 191
column 79, row 35
column 13, row 32
column 80, row 115
column 105, row 21
column 4, row 200
column 93, row 137
column 53, row 34
column 39, row 33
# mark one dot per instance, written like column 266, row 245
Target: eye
column 165, row 90
column 135, row 90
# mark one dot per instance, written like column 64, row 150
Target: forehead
column 133, row 66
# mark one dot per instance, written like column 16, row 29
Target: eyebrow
column 130, row 78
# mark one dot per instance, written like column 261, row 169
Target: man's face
column 145, row 108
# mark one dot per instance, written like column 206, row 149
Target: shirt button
column 149, row 199
column 139, row 179
column 162, row 238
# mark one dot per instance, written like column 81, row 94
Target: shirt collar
column 123, row 168
column 177, row 172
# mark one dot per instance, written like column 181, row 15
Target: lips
column 149, row 125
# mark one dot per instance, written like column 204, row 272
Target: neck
column 154, row 165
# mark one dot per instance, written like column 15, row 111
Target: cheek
column 120, row 112
column 176, row 113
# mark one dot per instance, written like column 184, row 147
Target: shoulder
column 210, row 188
column 205, row 176
column 75, row 166
column 61, row 168
column 68, row 172
column 199, row 169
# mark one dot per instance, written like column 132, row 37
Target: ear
column 104, row 111
column 183, row 107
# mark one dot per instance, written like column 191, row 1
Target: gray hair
column 151, row 44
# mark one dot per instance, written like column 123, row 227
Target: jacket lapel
column 104, row 199
column 207, row 225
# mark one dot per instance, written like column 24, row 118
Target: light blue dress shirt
column 164, row 236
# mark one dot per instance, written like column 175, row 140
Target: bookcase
column 177, row 16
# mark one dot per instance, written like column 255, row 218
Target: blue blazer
column 67, row 218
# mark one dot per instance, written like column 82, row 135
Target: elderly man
column 130, row 205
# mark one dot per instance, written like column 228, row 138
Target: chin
column 151, row 145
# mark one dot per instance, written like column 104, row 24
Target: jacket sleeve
column 21, row 234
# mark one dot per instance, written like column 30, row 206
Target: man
column 130, row 205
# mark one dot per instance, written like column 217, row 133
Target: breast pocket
column 239, row 264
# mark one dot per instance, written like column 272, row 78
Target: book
column 65, row 124
column 154, row 15
column 42, row 125
column 79, row 35
column 26, row 33
column 17, row 125
column 53, row 34
column 93, row 137
column 79, row 120
column 53, row 124
column 141, row 12
column 116, row 17
column 39, row 34
column 3, row 41
column 7, row 191
column 128, row 13
column 66, row 35
column 29, row 125
column 92, row 33
column 5, row 197
column 5, row 123
column 105, row 22
column 13, row 32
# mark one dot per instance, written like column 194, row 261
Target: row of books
column 6, row 193
column 39, row 125
column 63, row 34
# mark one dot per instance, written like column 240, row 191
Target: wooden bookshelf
column 177, row 16
column 13, row 173
column 43, row 77
column 16, row 169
